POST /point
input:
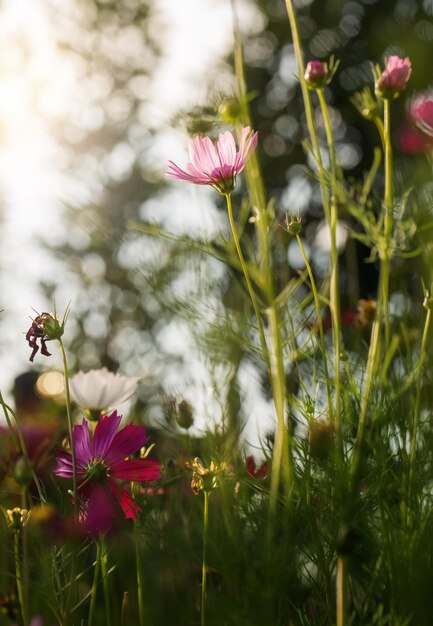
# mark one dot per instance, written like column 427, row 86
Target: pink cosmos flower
column 417, row 137
column 101, row 461
column 394, row 78
column 216, row 164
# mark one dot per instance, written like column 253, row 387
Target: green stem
column 342, row 589
column 417, row 410
column 281, row 457
column 19, row 579
column 139, row 569
column 334, row 290
column 94, row 585
column 256, row 190
column 389, row 221
column 247, row 279
column 371, row 368
column 20, row 442
column 204, row 560
column 105, row 582
column 70, row 429
column 320, row 325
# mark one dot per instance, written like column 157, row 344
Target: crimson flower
column 216, row 164
column 394, row 78
column 101, row 462
column 253, row 470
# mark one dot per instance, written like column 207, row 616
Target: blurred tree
column 131, row 286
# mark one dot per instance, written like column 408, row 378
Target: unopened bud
column 185, row 414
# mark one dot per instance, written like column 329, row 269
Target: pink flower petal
column 226, row 149
column 127, row 441
column 129, row 507
column 104, row 434
column 179, row 174
column 83, row 446
column 140, row 470
column 204, row 155
column 100, row 510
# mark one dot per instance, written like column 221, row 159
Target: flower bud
column 393, row 80
column 294, row 226
column 22, row 472
column 185, row 414
column 316, row 74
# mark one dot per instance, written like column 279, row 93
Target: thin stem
column 389, row 221
column 19, row 578
column 247, row 279
column 417, row 410
column 70, row 428
column 204, row 560
column 373, row 354
column 139, row 569
column 334, row 290
column 320, row 325
column 256, row 190
column 342, row 589
column 20, row 442
column 94, row 585
column 105, row 582
column 281, row 458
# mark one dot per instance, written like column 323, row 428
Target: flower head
column 100, row 389
column 16, row 519
column 205, row 478
column 417, row 136
column 101, row 462
column 253, row 470
column 216, row 164
column 393, row 80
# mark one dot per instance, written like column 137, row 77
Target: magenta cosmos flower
column 216, row 164
column 101, row 461
column 394, row 78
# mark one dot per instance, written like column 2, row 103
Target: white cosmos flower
column 101, row 389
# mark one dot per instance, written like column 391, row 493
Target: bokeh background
column 95, row 97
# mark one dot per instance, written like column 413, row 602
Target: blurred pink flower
column 417, row 136
column 216, row 164
column 100, row 463
column 394, row 77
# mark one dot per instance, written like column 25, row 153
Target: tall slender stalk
column 282, row 455
column 70, row 427
column 247, row 278
column 417, row 409
column 105, row 581
column 20, row 442
column 320, row 326
column 94, row 585
column 139, row 574
column 389, row 218
column 342, row 591
column 19, row 578
column 334, row 290
column 204, row 559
